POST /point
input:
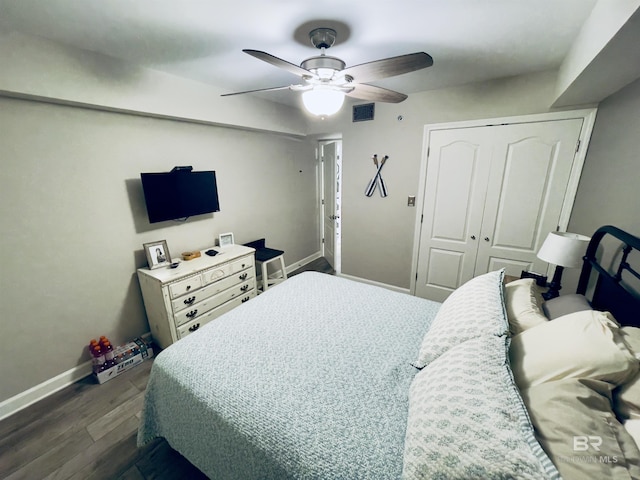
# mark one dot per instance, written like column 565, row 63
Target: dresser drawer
column 198, row 309
column 185, row 286
column 192, row 298
column 215, row 274
column 190, row 327
column 180, row 301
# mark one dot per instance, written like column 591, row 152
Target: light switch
column 411, row 201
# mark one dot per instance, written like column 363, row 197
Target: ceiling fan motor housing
column 314, row 63
column 322, row 37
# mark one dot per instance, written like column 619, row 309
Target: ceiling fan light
column 323, row 101
column 325, row 73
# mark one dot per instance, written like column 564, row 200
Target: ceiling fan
column 325, row 80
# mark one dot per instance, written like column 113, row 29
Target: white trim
column 373, row 282
column 303, row 262
column 576, row 168
column 294, row 266
column 46, row 388
column 337, row 248
column 588, row 115
column 18, row 402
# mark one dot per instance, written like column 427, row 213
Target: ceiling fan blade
column 376, row 94
column 278, row 62
column 389, row 67
column 272, row 89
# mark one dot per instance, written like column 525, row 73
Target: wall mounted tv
column 179, row 194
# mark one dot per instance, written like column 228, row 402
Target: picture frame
column 157, row 254
column 225, row 239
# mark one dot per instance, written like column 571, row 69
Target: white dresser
column 180, row 300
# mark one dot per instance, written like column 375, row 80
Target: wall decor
column 157, row 254
column 377, row 180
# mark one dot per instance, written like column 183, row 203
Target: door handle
column 473, row 237
column 486, row 239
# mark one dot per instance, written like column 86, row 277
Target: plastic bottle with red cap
column 99, row 360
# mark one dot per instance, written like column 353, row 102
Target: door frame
column 588, row 115
column 337, row 249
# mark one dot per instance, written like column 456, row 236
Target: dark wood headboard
column 610, row 293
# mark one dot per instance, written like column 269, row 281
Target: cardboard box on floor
column 126, row 357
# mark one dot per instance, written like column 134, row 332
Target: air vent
column 363, row 112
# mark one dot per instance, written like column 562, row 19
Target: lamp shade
column 323, row 101
column 564, row 249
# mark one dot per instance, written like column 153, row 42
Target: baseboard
column 303, row 262
column 295, row 266
column 18, row 402
column 46, row 388
column 377, row 284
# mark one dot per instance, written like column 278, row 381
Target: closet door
column 455, row 190
column 530, row 169
column 492, row 194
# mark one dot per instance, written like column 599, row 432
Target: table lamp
column 563, row 249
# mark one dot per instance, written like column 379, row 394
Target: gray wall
column 377, row 233
column 74, row 221
column 73, row 216
column 609, row 190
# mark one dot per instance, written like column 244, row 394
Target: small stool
column 265, row 256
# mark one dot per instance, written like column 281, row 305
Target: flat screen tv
column 179, row 194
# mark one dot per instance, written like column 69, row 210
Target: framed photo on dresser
column 225, row 239
column 157, row 254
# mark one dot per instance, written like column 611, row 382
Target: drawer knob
column 192, row 313
column 188, row 288
column 189, row 300
column 243, row 276
column 244, row 288
column 245, row 299
column 193, row 328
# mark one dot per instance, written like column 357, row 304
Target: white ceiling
column 469, row 40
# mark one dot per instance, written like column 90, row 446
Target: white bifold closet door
column 492, row 194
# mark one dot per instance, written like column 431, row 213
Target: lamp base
column 554, row 286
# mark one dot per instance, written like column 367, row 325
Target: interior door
column 455, row 190
column 330, row 215
column 530, row 169
column 491, row 196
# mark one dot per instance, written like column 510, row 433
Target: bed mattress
column 309, row 380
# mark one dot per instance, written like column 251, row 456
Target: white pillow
column 633, row 427
column 626, row 399
column 522, row 300
column 564, row 305
column 585, row 344
column 565, row 409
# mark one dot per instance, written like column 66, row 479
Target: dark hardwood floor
column 88, row 431
column 317, row 265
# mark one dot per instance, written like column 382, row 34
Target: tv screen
column 179, row 194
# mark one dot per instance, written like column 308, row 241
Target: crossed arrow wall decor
column 377, row 179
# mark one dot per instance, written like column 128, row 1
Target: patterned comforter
column 309, row 380
column 314, row 379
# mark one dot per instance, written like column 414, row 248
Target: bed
column 326, row 378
